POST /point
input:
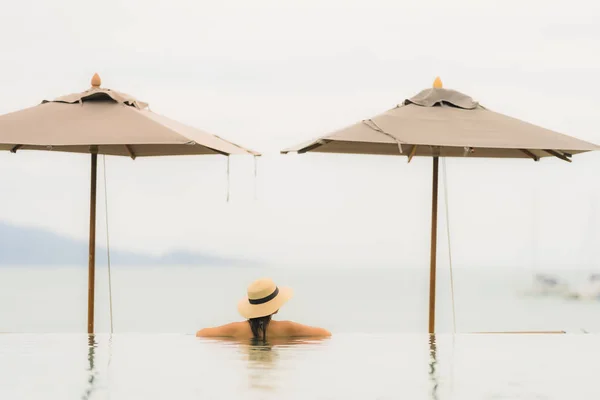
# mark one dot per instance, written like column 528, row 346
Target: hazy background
column 270, row 74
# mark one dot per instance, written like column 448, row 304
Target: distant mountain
column 33, row 246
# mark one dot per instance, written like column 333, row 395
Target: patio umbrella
column 104, row 121
column 438, row 122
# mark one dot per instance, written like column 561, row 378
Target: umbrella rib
column 217, row 151
column 238, row 146
column 313, row 146
column 15, row 148
column 413, row 151
column 223, row 153
column 558, row 155
column 530, row 154
column 130, row 151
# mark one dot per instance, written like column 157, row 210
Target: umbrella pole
column 92, row 250
column 433, row 255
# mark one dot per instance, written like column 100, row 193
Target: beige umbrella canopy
column 112, row 123
column 439, row 122
column 104, row 121
column 446, row 123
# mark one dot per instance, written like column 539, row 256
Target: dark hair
column 259, row 326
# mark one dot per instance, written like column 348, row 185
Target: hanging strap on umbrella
column 445, row 177
column 449, row 243
column 228, row 179
column 255, row 174
column 371, row 124
column 107, row 243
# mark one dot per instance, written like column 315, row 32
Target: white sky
column 270, row 74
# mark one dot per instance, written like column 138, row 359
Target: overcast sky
column 270, row 74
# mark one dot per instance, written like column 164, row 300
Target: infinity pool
column 346, row 366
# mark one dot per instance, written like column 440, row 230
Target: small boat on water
column 589, row 291
column 547, row 285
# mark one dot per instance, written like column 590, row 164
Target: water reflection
column 92, row 344
column 433, row 376
column 264, row 358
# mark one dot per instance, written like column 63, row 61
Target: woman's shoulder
column 295, row 329
column 233, row 329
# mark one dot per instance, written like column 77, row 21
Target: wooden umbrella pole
column 92, row 251
column 432, row 270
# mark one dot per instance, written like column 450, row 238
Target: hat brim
column 249, row 311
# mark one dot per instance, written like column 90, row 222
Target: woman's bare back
column 275, row 329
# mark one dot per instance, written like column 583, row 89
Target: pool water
column 346, row 366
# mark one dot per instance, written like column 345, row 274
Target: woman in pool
column 263, row 301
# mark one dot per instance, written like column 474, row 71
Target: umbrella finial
column 96, row 81
column 437, row 84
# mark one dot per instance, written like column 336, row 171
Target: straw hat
column 264, row 298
